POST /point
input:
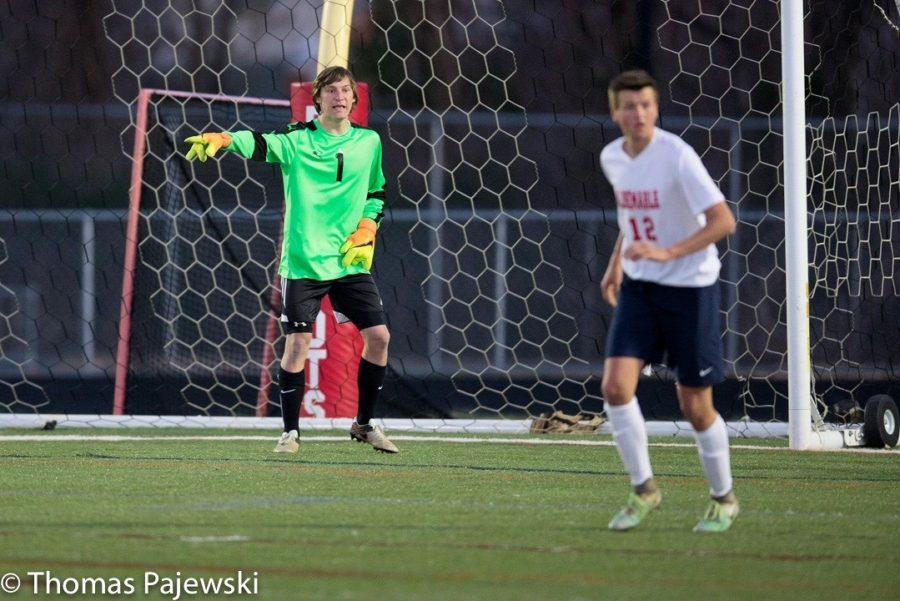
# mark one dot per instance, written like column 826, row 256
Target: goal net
column 499, row 223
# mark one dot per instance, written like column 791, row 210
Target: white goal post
column 796, row 226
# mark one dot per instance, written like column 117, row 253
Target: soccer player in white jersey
column 663, row 280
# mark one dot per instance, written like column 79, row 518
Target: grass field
column 442, row 520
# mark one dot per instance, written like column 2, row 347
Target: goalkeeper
column 334, row 199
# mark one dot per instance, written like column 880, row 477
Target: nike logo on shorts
column 705, row 372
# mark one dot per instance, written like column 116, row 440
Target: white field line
column 400, row 437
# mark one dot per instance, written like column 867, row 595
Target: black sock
column 370, row 380
column 293, row 386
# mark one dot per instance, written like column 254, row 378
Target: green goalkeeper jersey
column 330, row 183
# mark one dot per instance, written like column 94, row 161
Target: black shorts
column 676, row 325
column 354, row 298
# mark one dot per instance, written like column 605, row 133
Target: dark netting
column 498, row 223
column 204, row 297
column 203, row 284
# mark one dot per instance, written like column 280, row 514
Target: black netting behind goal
column 207, row 250
column 498, row 225
column 499, row 222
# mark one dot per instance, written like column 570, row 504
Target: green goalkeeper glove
column 360, row 246
column 206, row 145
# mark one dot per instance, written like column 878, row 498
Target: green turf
column 445, row 521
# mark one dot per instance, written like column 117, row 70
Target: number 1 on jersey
column 340, row 170
column 649, row 229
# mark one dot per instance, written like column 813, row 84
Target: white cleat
column 288, row 443
column 373, row 435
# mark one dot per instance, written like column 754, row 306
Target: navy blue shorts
column 673, row 325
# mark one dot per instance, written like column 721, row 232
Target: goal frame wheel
column 882, row 422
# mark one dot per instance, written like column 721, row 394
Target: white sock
column 715, row 458
column 630, row 434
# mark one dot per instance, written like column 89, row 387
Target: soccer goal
column 498, row 222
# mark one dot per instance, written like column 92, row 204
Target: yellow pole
column 334, row 34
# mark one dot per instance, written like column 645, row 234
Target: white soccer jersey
column 661, row 195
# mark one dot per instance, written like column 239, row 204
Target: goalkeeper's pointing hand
column 206, row 145
column 360, row 246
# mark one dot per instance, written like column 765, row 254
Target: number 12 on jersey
column 648, row 228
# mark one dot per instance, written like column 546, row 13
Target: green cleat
column 719, row 517
column 636, row 509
